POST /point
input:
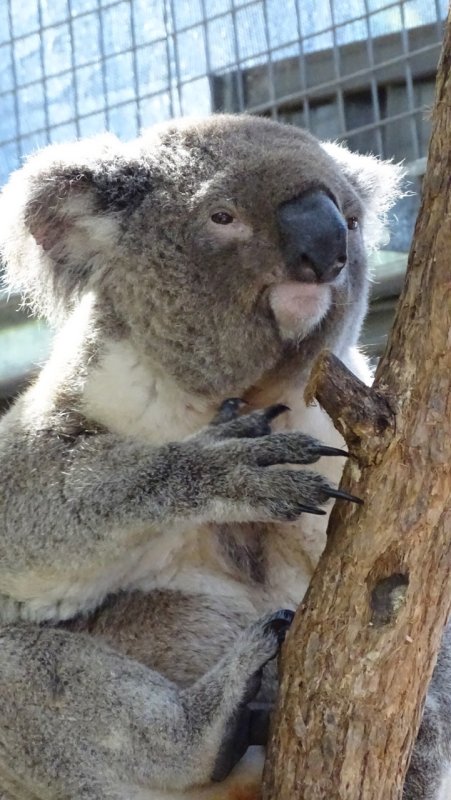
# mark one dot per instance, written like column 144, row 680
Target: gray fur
column 142, row 548
column 141, row 728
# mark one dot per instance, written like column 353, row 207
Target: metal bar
column 386, row 121
column 240, row 84
column 86, row 64
column 350, row 132
column 270, row 67
column 409, row 83
column 204, row 21
column 44, row 76
column 337, row 71
column 103, row 67
column 373, row 82
column 262, row 53
column 326, row 88
column 274, row 68
column 167, row 40
column 73, row 71
column 14, row 76
column 135, row 66
column 219, row 15
column 80, row 117
column 302, row 67
column 178, row 76
column 303, row 97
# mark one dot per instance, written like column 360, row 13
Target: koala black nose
column 313, row 237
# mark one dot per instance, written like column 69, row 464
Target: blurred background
column 360, row 71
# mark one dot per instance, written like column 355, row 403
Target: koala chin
column 298, row 308
column 161, row 516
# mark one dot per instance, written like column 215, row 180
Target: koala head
column 217, row 247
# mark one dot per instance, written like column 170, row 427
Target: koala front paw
column 231, row 458
column 248, row 723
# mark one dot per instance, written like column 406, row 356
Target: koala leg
column 82, row 722
column 429, row 774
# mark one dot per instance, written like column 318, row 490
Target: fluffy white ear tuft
column 378, row 184
column 53, row 229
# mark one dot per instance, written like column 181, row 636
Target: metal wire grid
column 405, row 52
column 75, row 67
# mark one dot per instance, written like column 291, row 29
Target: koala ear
column 376, row 182
column 57, row 226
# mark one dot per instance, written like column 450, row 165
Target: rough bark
column 363, row 645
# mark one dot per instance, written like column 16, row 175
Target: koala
column 160, row 519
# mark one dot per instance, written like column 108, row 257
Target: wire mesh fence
column 363, row 70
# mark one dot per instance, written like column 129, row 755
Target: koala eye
column 222, row 218
column 353, row 223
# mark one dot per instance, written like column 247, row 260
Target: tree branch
column 363, row 645
column 364, row 416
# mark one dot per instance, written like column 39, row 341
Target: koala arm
column 85, row 503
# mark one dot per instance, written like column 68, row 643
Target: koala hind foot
column 247, row 723
column 101, row 725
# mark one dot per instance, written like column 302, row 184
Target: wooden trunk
column 363, row 645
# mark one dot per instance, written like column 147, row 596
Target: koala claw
column 305, row 509
column 340, row 495
column 280, row 623
column 271, row 412
column 324, row 450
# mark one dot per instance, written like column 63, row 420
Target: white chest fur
column 294, row 548
column 150, row 407
column 132, row 400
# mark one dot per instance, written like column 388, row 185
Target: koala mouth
column 299, row 307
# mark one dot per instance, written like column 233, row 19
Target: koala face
column 218, row 247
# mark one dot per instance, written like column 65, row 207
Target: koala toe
column 279, row 623
column 261, row 642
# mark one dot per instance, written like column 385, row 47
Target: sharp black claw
column 274, row 411
column 340, row 495
column 311, row 510
column 280, row 623
column 324, row 450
